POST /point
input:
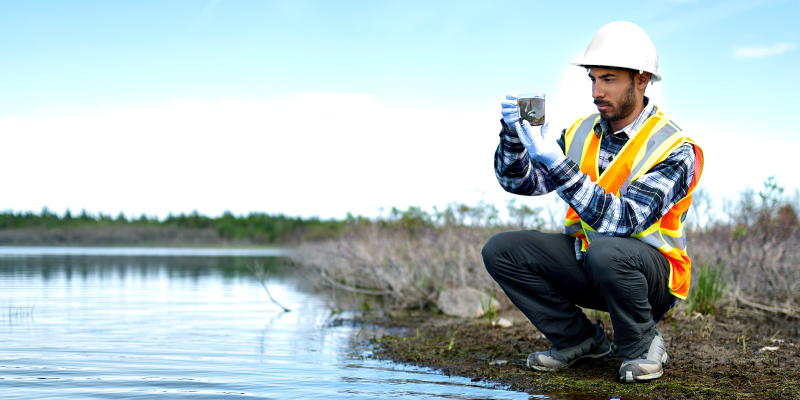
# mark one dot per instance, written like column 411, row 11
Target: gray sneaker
column 647, row 366
column 596, row 346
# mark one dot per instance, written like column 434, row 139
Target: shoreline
column 710, row 357
column 155, row 245
column 141, row 251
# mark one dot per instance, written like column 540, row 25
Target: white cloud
column 737, row 158
column 762, row 51
column 310, row 154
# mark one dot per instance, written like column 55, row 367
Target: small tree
column 523, row 216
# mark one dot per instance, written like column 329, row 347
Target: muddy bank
column 711, row 357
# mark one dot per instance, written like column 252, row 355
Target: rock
column 464, row 302
column 498, row 362
column 504, row 323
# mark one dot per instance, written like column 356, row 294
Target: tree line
column 259, row 227
column 256, row 227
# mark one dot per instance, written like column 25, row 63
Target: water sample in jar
column 531, row 108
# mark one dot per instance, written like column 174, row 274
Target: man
column 627, row 174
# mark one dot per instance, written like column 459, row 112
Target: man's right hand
column 510, row 111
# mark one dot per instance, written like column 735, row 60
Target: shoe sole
column 629, row 378
column 542, row 368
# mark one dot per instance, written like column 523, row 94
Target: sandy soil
column 711, row 357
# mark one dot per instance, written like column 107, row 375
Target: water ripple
column 186, row 327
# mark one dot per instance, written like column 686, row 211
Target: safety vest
column 652, row 143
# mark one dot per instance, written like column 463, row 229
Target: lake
column 117, row 323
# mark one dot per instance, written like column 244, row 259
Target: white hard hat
column 622, row 45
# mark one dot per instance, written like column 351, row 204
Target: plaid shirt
column 647, row 200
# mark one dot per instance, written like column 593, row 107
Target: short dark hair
column 631, row 72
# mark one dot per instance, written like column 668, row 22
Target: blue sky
column 153, row 106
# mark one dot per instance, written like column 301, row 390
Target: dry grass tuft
column 405, row 269
column 407, row 258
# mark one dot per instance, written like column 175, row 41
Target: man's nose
column 597, row 93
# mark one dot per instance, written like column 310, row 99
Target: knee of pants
column 496, row 247
column 605, row 259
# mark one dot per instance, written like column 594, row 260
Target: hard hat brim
column 654, row 76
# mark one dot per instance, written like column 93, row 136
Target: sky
column 320, row 108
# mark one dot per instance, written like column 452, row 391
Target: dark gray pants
column 539, row 273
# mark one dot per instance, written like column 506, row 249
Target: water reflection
column 83, row 326
column 36, row 251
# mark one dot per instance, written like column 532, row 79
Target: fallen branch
column 762, row 307
column 353, row 289
column 321, row 274
column 261, row 274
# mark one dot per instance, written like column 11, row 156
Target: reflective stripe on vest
column 654, row 149
column 583, row 131
column 652, row 143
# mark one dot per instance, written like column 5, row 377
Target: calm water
column 128, row 323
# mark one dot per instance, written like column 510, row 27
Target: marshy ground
column 745, row 270
column 710, row 357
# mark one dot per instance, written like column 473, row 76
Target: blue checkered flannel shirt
column 647, row 199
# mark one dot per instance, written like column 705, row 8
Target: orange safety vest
column 652, row 143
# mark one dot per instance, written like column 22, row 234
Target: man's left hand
column 539, row 147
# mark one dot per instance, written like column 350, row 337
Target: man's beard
column 624, row 108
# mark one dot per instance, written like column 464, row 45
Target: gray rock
column 464, row 302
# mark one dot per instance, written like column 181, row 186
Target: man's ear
column 642, row 80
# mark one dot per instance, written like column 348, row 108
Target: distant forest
column 255, row 228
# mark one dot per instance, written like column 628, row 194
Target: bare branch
column 258, row 270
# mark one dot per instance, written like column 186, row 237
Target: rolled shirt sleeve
column 515, row 171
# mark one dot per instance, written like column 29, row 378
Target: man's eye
column 608, row 80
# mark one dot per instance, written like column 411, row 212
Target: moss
column 702, row 367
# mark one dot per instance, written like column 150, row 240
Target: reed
column 18, row 313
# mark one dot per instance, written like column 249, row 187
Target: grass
column 743, row 340
column 489, row 310
column 358, row 335
column 710, row 288
column 769, row 362
column 452, row 340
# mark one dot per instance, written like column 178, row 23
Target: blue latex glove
column 510, row 111
column 540, row 148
